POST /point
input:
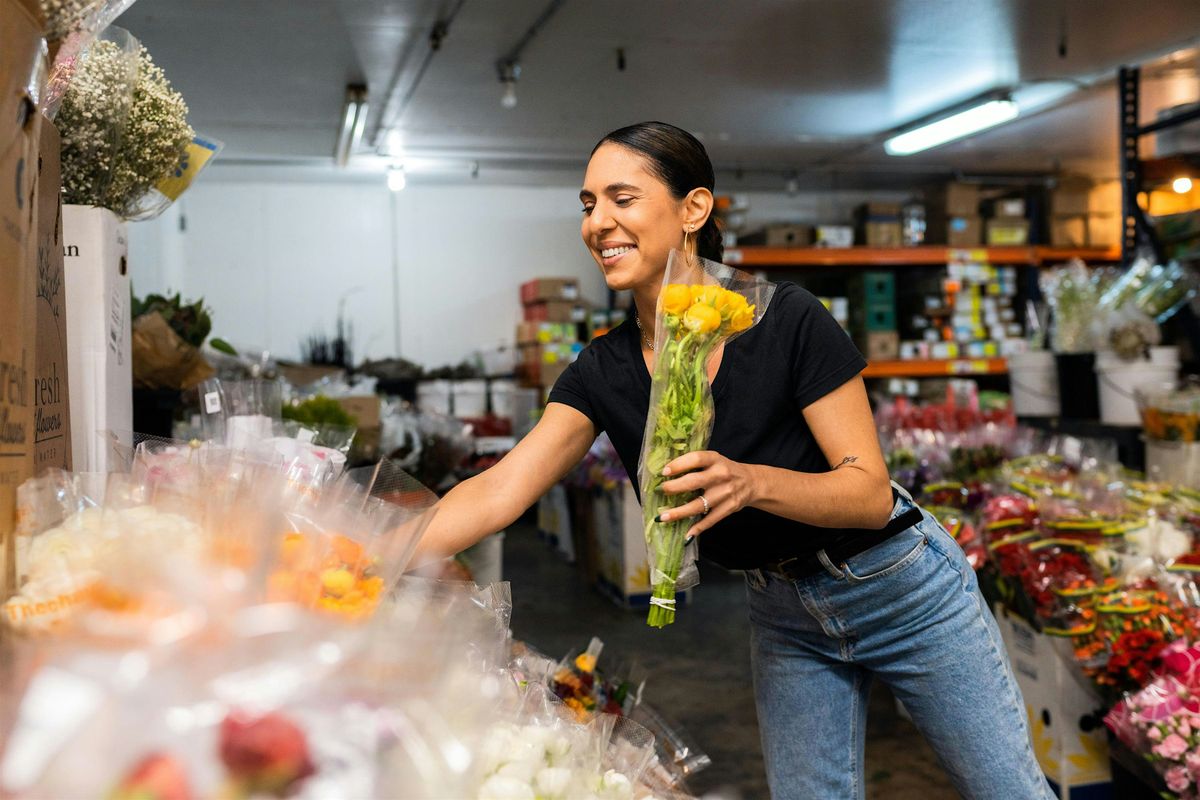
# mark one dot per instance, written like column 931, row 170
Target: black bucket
column 1078, row 392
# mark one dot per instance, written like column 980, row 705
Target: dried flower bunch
column 65, row 16
column 123, row 127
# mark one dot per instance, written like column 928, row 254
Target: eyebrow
column 612, row 188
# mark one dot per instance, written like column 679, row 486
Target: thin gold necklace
column 645, row 339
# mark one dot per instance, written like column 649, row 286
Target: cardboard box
column 51, row 407
column 1103, row 230
column 557, row 311
column 964, row 231
column 883, row 234
column 835, row 236
column 20, row 129
column 1105, row 198
column 549, row 289
column 1070, row 197
column 306, row 374
column 1011, row 207
column 1003, row 232
column 365, row 410
column 789, row 235
column 1057, row 698
column 546, row 332
column 953, row 200
column 880, row 345
column 99, row 333
column 1068, row 231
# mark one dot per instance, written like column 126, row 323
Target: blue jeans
column 909, row 612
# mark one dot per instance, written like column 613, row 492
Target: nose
column 599, row 221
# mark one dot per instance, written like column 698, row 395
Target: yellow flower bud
column 702, row 318
column 676, row 298
column 337, row 582
column 741, row 319
column 706, row 294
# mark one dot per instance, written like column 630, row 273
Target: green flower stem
column 682, row 427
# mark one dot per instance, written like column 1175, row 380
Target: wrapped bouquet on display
column 702, row 306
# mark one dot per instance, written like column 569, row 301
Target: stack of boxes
column 548, row 338
column 952, row 216
column 872, row 301
column 879, row 224
column 1084, row 214
column 974, row 318
column 1009, row 225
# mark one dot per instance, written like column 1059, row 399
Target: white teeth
column 614, row 251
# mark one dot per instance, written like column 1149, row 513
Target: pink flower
column 1193, row 765
column 1177, row 779
column 1172, row 747
column 1154, row 734
column 1183, row 729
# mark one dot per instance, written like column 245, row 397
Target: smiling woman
column 848, row 579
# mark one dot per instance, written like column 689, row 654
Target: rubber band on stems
column 663, row 602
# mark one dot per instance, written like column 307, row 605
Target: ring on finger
column 704, row 502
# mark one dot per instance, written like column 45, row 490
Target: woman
column 848, row 579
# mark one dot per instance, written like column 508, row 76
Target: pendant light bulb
column 396, row 180
column 509, row 98
column 1182, row 184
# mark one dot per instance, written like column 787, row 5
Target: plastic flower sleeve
column 702, row 306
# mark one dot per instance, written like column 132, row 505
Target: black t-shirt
column 794, row 356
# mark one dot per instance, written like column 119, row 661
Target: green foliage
column 320, row 411
column 190, row 321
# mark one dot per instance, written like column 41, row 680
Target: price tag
column 212, row 402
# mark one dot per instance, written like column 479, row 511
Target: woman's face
column 630, row 220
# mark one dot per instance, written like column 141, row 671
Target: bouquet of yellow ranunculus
column 702, row 306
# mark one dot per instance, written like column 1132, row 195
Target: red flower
column 156, row 777
column 267, row 754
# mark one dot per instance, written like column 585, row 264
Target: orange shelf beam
column 929, row 255
column 931, row 368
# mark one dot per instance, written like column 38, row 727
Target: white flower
column 615, row 786
column 499, row 787
column 553, row 782
column 558, row 747
column 520, row 770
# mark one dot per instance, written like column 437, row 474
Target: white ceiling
column 770, row 86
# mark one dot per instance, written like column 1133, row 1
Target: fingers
column 690, row 461
column 692, row 482
column 693, row 509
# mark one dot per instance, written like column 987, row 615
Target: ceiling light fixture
column 978, row 116
column 354, row 121
column 508, row 72
column 396, row 179
column 1182, row 184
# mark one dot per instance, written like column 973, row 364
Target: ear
column 696, row 207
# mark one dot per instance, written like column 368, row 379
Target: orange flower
column 702, row 318
column 676, row 298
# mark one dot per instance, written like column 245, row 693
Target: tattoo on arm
column 847, row 460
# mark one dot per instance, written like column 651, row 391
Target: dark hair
column 681, row 162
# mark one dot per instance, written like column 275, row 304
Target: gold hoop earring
column 688, row 246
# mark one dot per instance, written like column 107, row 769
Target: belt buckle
column 782, row 566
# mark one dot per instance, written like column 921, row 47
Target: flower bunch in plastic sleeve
column 702, row 306
column 124, row 129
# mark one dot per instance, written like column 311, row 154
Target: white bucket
column 1118, row 378
column 470, row 399
column 1173, row 462
column 502, row 398
column 1033, row 378
column 433, row 397
column 486, row 559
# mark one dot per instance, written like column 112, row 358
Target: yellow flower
column 676, row 299
column 741, row 319
column 702, row 318
column 585, row 662
column 731, row 301
column 337, row 582
column 706, row 294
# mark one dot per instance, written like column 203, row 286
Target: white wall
column 275, row 258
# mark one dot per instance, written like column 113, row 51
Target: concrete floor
column 698, row 671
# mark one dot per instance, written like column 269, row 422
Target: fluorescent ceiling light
column 973, row 120
column 396, row 180
column 354, row 121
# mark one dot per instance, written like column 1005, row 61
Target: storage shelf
column 928, row 255
column 936, row 367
